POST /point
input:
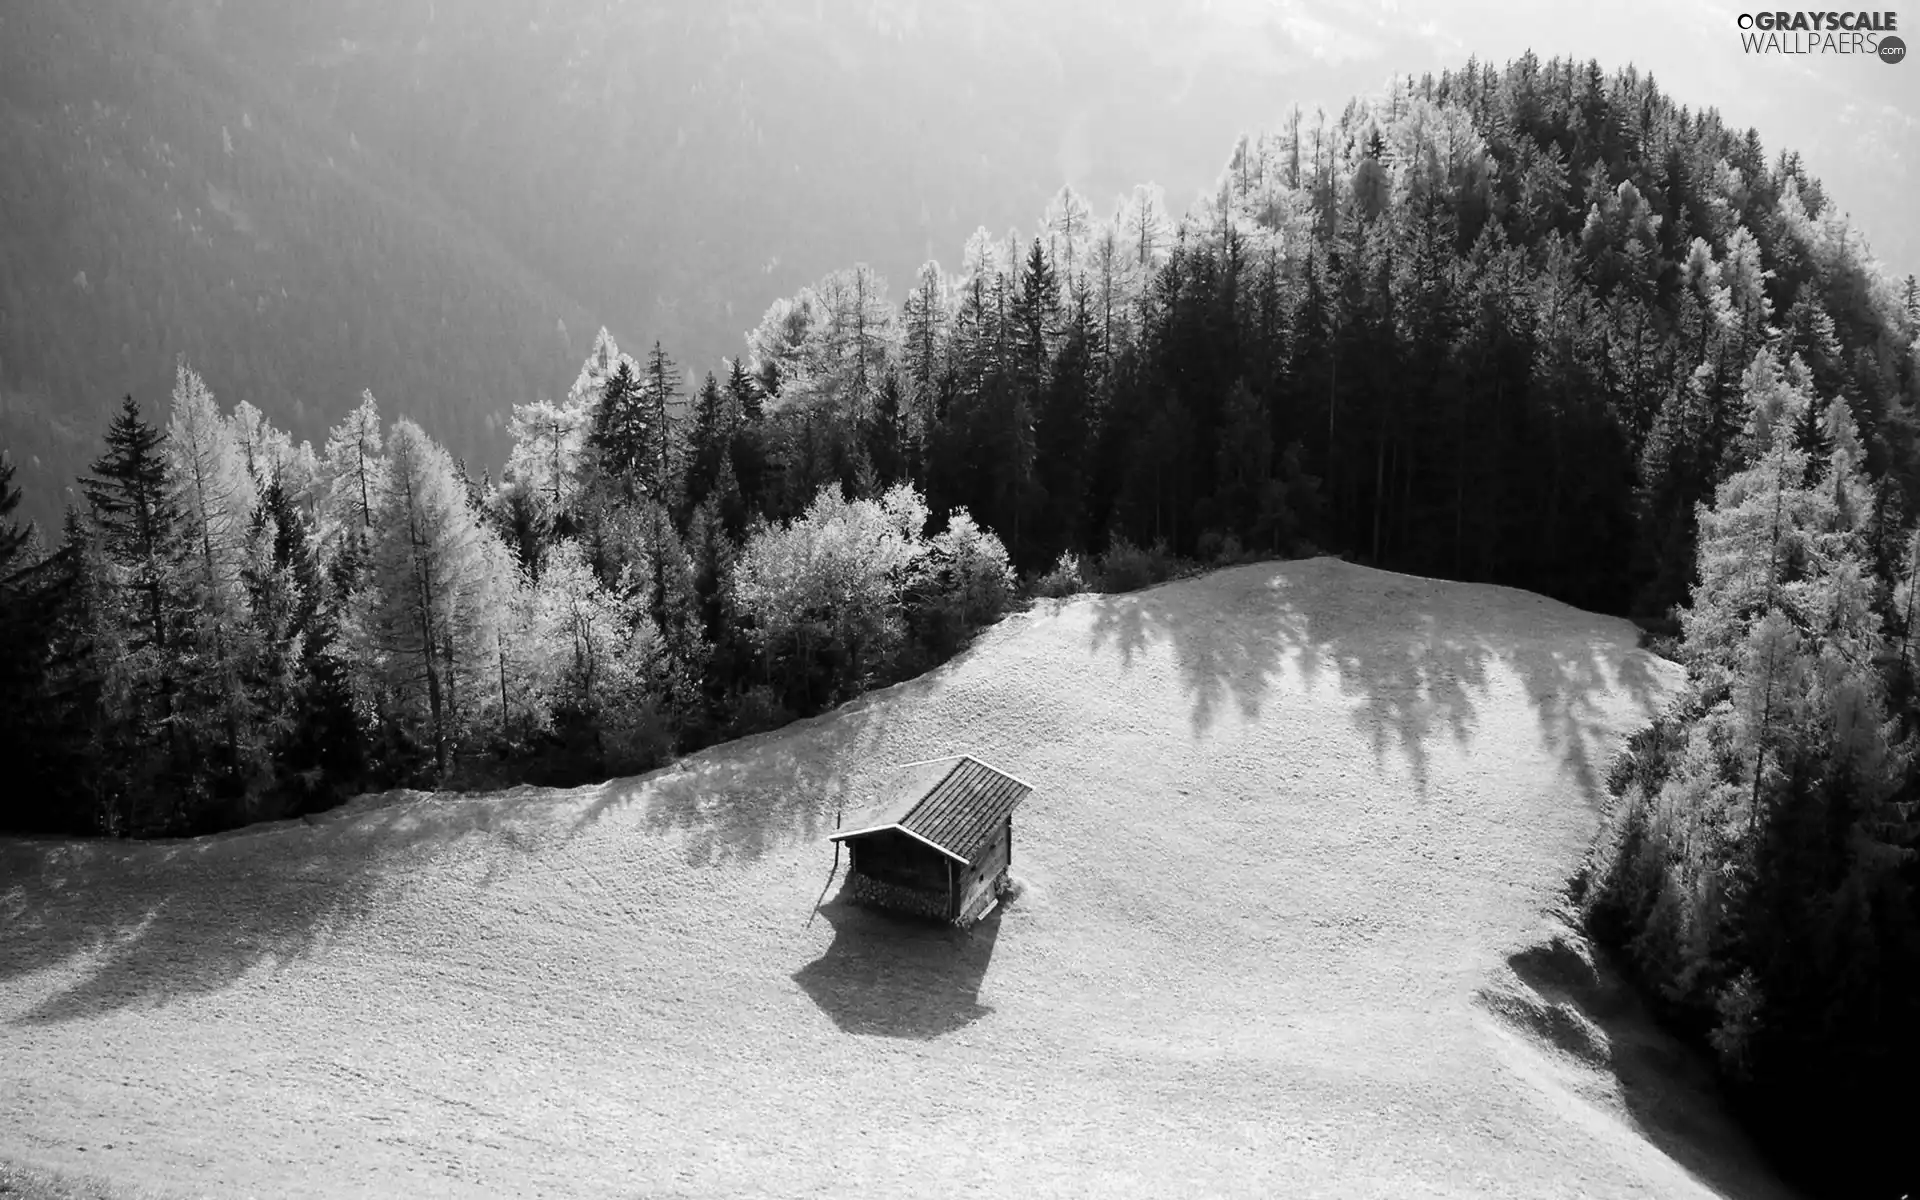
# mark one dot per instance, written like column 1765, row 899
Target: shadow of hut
column 888, row 975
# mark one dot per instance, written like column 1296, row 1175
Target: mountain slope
column 1282, row 928
column 155, row 201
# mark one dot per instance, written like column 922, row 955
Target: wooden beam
column 927, row 842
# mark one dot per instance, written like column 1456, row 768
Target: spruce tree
column 709, row 444
column 925, row 321
column 885, row 433
column 139, row 619
column 745, row 393
column 133, row 511
column 619, row 435
column 660, row 389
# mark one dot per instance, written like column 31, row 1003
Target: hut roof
column 953, row 804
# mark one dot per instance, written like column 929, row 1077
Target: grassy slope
column 1283, row 928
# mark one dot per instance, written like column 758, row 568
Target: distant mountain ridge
column 157, row 201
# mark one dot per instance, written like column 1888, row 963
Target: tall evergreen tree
column 660, row 390
column 709, row 445
column 619, row 437
column 140, row 604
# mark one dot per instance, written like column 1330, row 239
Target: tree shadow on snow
column 145, row 923
column 739, row 800
column 894, row 976
column 1413, row 654
column 1575, row 1000
column 158, row 921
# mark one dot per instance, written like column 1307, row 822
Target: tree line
column 1537, row 326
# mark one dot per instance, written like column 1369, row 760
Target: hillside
column 1284, row 926
column 158, row 200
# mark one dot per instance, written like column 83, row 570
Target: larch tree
column 1109, row 270
column 1144, row 227
column 781, row 348
column 355, row 469
column 547, row 439
column 1069, row 227
column 429, row 622
column 869, row 334
column 214, row 494
column 269, row 453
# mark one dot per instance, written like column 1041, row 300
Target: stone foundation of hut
column 878, row 893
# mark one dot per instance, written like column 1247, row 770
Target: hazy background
column 441, row 200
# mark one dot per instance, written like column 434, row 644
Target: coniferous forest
column 1538, row 326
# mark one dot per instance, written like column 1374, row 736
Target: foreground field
column 1284, row 927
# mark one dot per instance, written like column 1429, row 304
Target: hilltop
column 1285, row 923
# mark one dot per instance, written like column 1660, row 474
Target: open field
column 1284, row 927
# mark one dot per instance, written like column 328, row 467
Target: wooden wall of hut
column 893, row 857
column 979, row 883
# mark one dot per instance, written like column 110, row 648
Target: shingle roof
column 953, row 804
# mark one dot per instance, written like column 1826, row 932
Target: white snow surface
column 1285, row 926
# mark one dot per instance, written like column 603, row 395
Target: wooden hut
column 939, row 842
